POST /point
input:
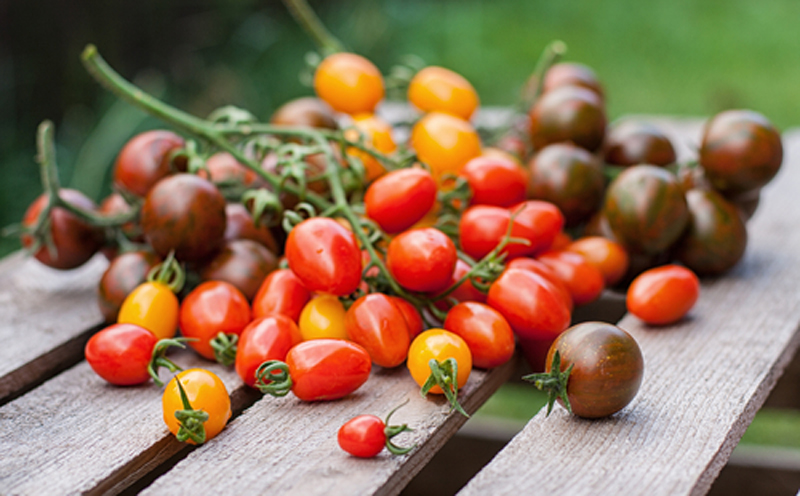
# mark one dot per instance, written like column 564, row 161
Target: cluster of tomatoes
column 439, row 254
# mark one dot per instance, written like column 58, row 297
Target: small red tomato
column 584, row 280
column 422, row 259
column 486, row 331
column 399, row 199
column 545, row 271
column 465, row 291
column 365, row 436
column 281, row 293
column 495, row 181
column 539, row 222
column 265, row 338
column 663, row 295
column 375, row 322
column 411, row 315
column 145, row 160
column 324, row 256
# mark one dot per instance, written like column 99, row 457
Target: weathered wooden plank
column 705, row 379
column 285, row 446
column 47, row 317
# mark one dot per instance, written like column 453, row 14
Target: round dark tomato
column 572, row 74
column 239, row 224
column 634, row 143
column 399, row 199
column 264, row 339
column 495, row 180
column 305, row 111
column 375, row 322
column 606, row 369
column 568, row 113
column 324, row 256
column 243, row 263
column 740, row 151
column 114, row 204
column 646, row 209
column 486, row 331
column 123, row 275
column 121, row 353
column 224, row 168
column 74, row 240
column 184, row 213
column 281, row 293
column 145, row 160
column 569, row 177
column 422, row 259
column 663, row 295
column 584, row 280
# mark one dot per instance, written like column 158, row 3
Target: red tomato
column 530, row 303
column 422, row 259
column 607, row 255
column 281, row 293
column 465, row 291
column 375, row 322
column 144, row 160
column 539, row 222
column 349, row 83
column 212, row 308
column 663, row 295
column 436, row 89
column 411, row 315
column 486, row 331
column 265, row 338
column 584, row 280
column 223, row 167
column 121, row 353
column 325, row 256
column 545, row 271
column 365, row 436
column 327, row 369
column 495, row 181
column 399, row 199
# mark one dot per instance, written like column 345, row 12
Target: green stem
column 224, row 346
column 554, row 383
column 393, row 430
column 159, row 359
column 445, row 375
column 308, row 20
column 190, row 420
column 533, row 88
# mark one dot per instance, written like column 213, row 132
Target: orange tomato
column 154, row 306
column 444, row 142
column 205, row 391
column 663, row 295
column 349, row 83
column 438, row 344
column 377, row 135
column 436, row 89
column 608, row 256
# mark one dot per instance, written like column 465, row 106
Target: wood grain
column 705, row 379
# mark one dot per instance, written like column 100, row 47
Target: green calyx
column 553, row 382
column 224, row 346
column 191, row 420
column 272, row 377
column 392, row 430
column 444, row 374
column 169, row 272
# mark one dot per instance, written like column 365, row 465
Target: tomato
column 572, row 74
column 184, row 213
column 422, row 259
column 495, row 181
column 530, row 303
column 305, row 111
column 400, row 199
column 486, row 331
column 323, row 317
column 440, row 362
column 410, row 315
column 607, row 255
column 123, row 354
column 265, row 338
column 569, row 177
column 281, row 293
column 436, row 89
column 544, row 270
column 465, row 291
column 584, row 280
column 211, row 309
column 223, row 168
column 633, row 143
column 568, row 113
column 74, row 240
column 325, row 256
column 377, row 135
column 349, row 83
column 113, row 205
column 205, row 392
column 239, row 224
column 375, row 322
column 445, row 143
column 317, row 370
column 740, row 151
column 153, row 306
column 365, row 436
column 123, row 274
column 663, row 295
column 598, row 371
column 145, row 160
column 241, row 262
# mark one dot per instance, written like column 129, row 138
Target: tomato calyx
column 393, row 430
column 191, row 420
column 553, row 382
column 159, row 358
column 444, row 374
column 169, row 273
column 272, row 377
column 224, row 346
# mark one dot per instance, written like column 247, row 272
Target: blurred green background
column 664, row 56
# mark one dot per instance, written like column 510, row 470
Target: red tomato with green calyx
column 264, row 339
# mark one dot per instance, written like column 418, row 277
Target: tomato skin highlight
column 211, row 308
column 375, row 322
column 422, row 259
column 153, row 306
column 663, row 295
column 486, row 331
column 327, row 369
column 438, row 344
column 281, row 293
column 363, row 436
column 206, row 392
column 349, row 83
column 400, row 199
column 265, row 338
column 120, row 354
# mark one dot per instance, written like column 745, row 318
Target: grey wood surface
column 705, row 378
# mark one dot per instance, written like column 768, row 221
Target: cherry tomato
column 324, row 256
column 205, row 392
column 598, row 372
column 305, row 111
column 123, row 274
column 486, row 331
column 495, row 181
column 663, row 295
column 113, row 205
column 378, row 136
column 444, row 142
column 410, row 315
column 265, row 338
column 439, row 345
column 323, row 317
column 153, row 306
column 436, row 89
column 544, row 270
column 241, row 262
column 607, row 255
column 399, row 199
column 281, row 293
column 633, row 143
column 365, row 436
column 572, row 74
column 584, row 280
column 375, row 322
column 349, row 83
column 465, row 291
column 568, row 113
column 75, row 241
column 422, row 259
column 145, row 160
column 239, row 224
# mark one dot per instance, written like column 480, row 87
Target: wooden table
column 63, row 430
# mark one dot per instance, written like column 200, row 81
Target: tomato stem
column 272, row 377
column 224, row 346
column 191, row 420
column 553, row 382
column 310, row 22
column 445, row 375
column 169, row 273
column 159, row 359
column 393, row 430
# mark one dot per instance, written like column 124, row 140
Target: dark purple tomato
column 646, row 209
column 634, row 143
column 572, row 74
column 569, row 177
column 716, row 237
column 123, row 275
column 185, row 213
column 740, row 151
column 305, row 111
column 222, row 167
column 144, row 160
column 568, row 113
column 240, row 225
column 243, row 263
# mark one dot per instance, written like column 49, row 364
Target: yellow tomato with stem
column 440, row 361
column 154, row 306
column 323, row 317
column 349, row 83
column 378, row 136
column 436, row 89
column 444, row 142
column 197, row 409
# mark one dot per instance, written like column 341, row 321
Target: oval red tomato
column 486, row 331
column 663, row 295
column 281, row 293
column 375, row 322
column 399, row 199
column 264, row 339
column 422, row 259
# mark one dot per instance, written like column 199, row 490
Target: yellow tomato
column 445, row 143
column 349, row 83
column 436, row 89
column 377, row 135
column 438, row 344
column 323, row 317
column 151, row 305
column 205, row 391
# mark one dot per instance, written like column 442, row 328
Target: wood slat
column 705, row 379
